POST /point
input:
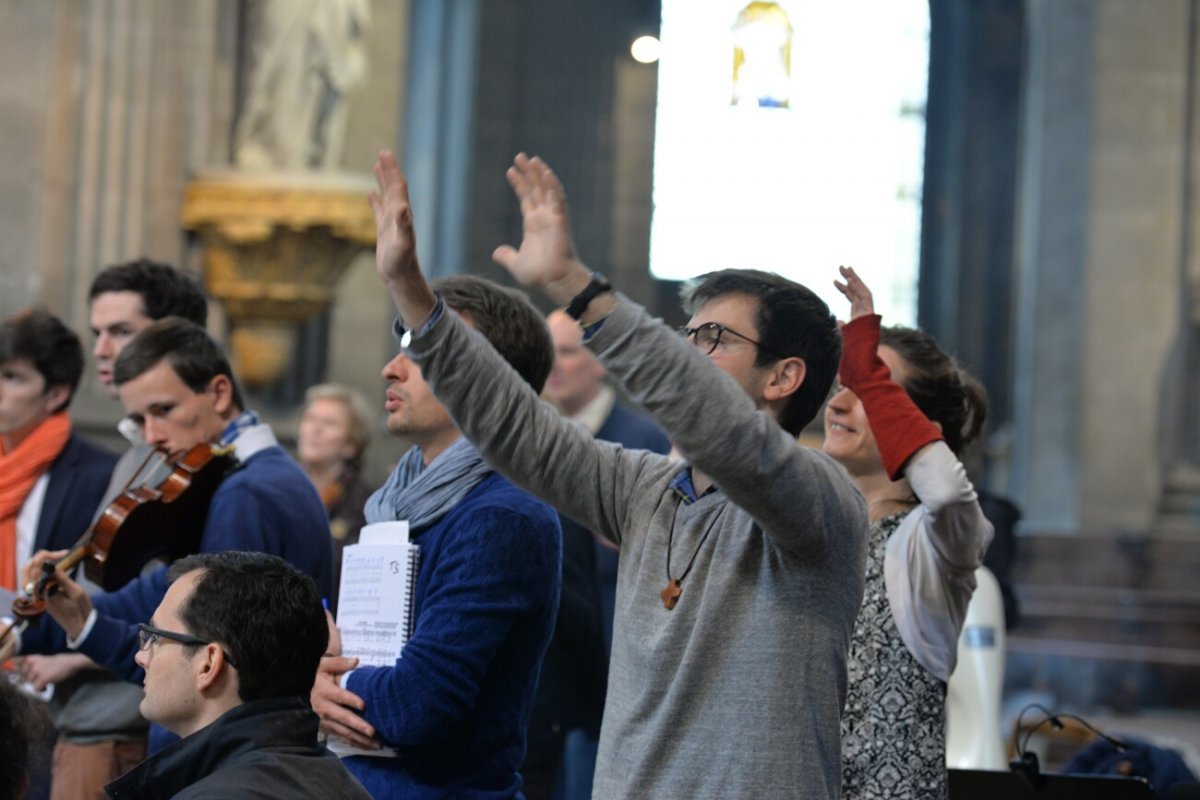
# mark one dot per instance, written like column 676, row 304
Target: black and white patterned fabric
column 894, row 725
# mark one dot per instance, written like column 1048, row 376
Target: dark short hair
column 942, row 390
column 265, row 613
column 165, row 291
column 187, row 347
column 39, row 337
column 508, row 320
column 791, row 321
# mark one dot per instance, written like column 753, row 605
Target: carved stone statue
column 307, row 56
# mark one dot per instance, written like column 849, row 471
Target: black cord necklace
column 674, row 588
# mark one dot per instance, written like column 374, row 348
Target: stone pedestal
column 274, row 246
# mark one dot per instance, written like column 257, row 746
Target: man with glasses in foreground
column 741, row 571
column 230, row 656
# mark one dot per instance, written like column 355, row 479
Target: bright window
column 790, row 137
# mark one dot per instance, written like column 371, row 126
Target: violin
column 160, row 514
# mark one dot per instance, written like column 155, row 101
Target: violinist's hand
column 44, row 670
column 546, row 257
column 68, row 603
column 31, row 573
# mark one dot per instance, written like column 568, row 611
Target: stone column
column 1103, row 262
column 1132, row 318
column 115, row 99
column 1051, row 247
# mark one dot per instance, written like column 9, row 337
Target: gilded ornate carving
column 274, row 246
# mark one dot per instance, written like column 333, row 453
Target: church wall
column 1102, row 224
column 1132, row 314
column 116, row 105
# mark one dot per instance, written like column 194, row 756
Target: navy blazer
column 78, row 482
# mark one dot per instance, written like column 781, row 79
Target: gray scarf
column 423, row 495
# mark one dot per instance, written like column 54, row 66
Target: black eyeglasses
column 706, row 337
column 148, row 635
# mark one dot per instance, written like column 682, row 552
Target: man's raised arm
column 794, row 492
column 510, row 426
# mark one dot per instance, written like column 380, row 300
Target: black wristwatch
column 581, row 301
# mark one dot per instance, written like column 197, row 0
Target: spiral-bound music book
column 375, row 603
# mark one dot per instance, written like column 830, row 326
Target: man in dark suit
column 80, row 473
column 50, row 478
column 564, row 727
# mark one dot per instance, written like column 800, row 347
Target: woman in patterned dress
column 902, row 413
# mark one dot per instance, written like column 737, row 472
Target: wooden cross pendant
column 670, row 594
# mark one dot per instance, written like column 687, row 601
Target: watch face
column 406, row 340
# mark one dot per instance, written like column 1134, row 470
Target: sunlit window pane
column 790, row 137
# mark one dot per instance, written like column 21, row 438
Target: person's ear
column 222, row 391
column 210, row 665
column 787, row 376
column 57, row 398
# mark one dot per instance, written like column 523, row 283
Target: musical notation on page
column 375, row 603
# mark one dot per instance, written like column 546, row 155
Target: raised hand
column 546, row 258
column 861, row 302
column 396, row 244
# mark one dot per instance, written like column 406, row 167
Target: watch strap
column 581, row 301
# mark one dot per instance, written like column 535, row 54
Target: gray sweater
column 737, row 692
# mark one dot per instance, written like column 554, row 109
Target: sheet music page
column 373, row 604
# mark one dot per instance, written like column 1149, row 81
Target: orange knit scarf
column 19, row 471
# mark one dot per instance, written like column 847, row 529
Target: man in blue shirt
column 455, row 707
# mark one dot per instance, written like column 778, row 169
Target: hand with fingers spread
column 546, row 257
column 396, row 244
column 861, row 302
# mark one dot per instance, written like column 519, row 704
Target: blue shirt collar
column 682, row 484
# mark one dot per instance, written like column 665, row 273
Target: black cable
column 1050, row 717
column 1114, row 741
column 1025, row 762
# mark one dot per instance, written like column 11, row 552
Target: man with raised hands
column 741, row 569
